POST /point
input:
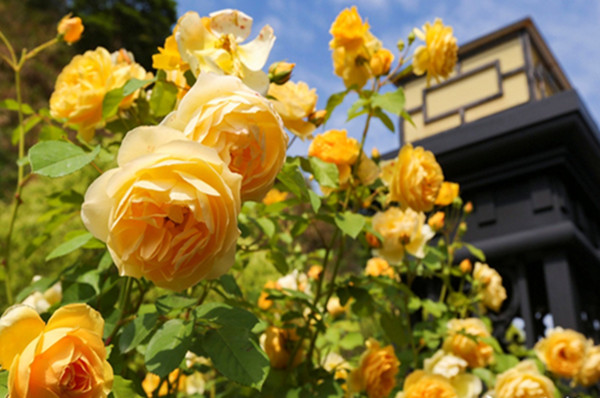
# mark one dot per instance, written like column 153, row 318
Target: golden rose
column 416, row 178
column 453, row 368
column 274, row 196
column 448, row 192
column 334, row 146
column 64, row 358
column 70, row 28
column 168, row 212
column 279, row 346
column 465, row 266
column 214, row 44
column 348, row 29
column 294, row 102
column 372, row 240
column 315, row 272
column 438, row 56
column 377, row 266
column 436, row 221
column 492, row 290
column 176, row 381
column 168, row 57
column 224, row 114
column 381, row 62
column 402, row 231
column 420, row 384
column 562, row 351
column 263, row 302
column 589, row 373
column 353, row 65
column 376, row 372
column 460, row 341
column 335, row 307
column 82, row 84
column 523, row 381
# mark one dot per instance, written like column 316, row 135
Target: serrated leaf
column 407, row 117
column 226, row 315
column 503, row 362
column 134, row 84
column 291, row 177
column 172, row 302
column 236, row 355
column 478, row 253
column 360, row 107
column 486, row 375
column 315, row 201
column 392, row 102
column 385, row 119
column 168, row 346
column 59, row 158
column 69, row 246
column 266, row 225
column 433, row 307
column 350, row 223
column 230, row 285
column 163, row 98
column 111, row 101
column 13, row 105
column 49, row 132
column 492, row 342
column 325, row 173
column 123, row 388
column 333, row 102
column 136, row 331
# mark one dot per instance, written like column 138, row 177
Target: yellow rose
column 376, row 372
column 348, row 29
column 263, row 302
column 70, row 28
column 453, row 368
column 279, row 345
column 420, row 384
column 476, row 353
column 240, row 124
column 465, row 266
column 82, row 84
column 315, row 272
column 416, row 178
column 168, row 57
column 150, row 383
column 401, row 231
column 42, row 302
column 214, row 44
column 274, row 196
column 523, row 381
column 448, row 192
column 168, row 212
column 335, row 147
column 294, row 102
column 124, row 69
column 562, row 351
column 436, row 221
column 64, row 358
column 336, row 364
column 381, row 62
column 335, row 307
column 589, row 373
column 493, row 292
column 377, row 266
column 438, row 56
column 353, row 65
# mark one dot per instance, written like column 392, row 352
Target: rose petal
column 19, row 325
column 77, row 315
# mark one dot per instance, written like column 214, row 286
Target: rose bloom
column 377, row 266
column 477, row 354
column 438, row 56
column 465, row 266
column 420, row 384
column 381, row 62
column 82, row 84
column 263, row 302
column 65, row 357
column 240, row 124
column 150, row 383
column 315, row 272
column 436, row 221
column 589, row 373
column 279, row 345
column 214, row 44
column 416, row 178
column 294, row 102
column 334, row 146
column 493, row 292
column 42, row 302
column 335, row 307
column 376, row 372
column 274, row 196
column 336, row 364
column 70, row 28
column 523, row 381
column 562, row 351
column 168, row 212
column 353, row 65
column 402, row 231
column 448, row 192
column 348, row 29
column 453, row 369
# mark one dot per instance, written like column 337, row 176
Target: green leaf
column 267, row 225
column 385, row 119
column 171, row 302
column 226, row 315
column 134, row 333
column 326, row 174
column 478, row 253
column 360, row 107
column 433, row 307
column 350, row 223
column 28, row 124
column 407, row 117
column 492, row 342
column 163, row 98
column 315, row 200
column 392, row 102
column 230, row 285
column 69, row 246
column 123, row 388
column 3, row 383
column 134, row 84
column 486, row 375
column 352, row 340
column 236, row 355
column 111, row 101
column 291, row 177
column 13, row 105
column 333, row 102
column 503, row 362
column 190, row 79
column 279, row 261
column 105, row 261
column 168, row 346
column 59, row 158
column 50, row 132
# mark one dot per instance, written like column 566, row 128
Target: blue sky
column 571, row 29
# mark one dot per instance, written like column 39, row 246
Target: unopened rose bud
column 465, row 266
column 462, row 228
column 411, row 37
column 70, row 28
column 375, row 153
column 315, row 272
column 280, row 72
column 317, row 117
column 400, row 45
column 381, row 62
column 436, row 221
column 468, row 209
column 372, row 240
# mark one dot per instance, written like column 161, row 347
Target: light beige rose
column 294, row 102
column 403, row 231
column 376, row 372
column 476, row 353
column 589, row 374
column 336, row 364
column 493, row 292
column 562, row 351
column 65, row 357
column 453, row 368
column 240, row 124
column 168, row 212
column 523, row 381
